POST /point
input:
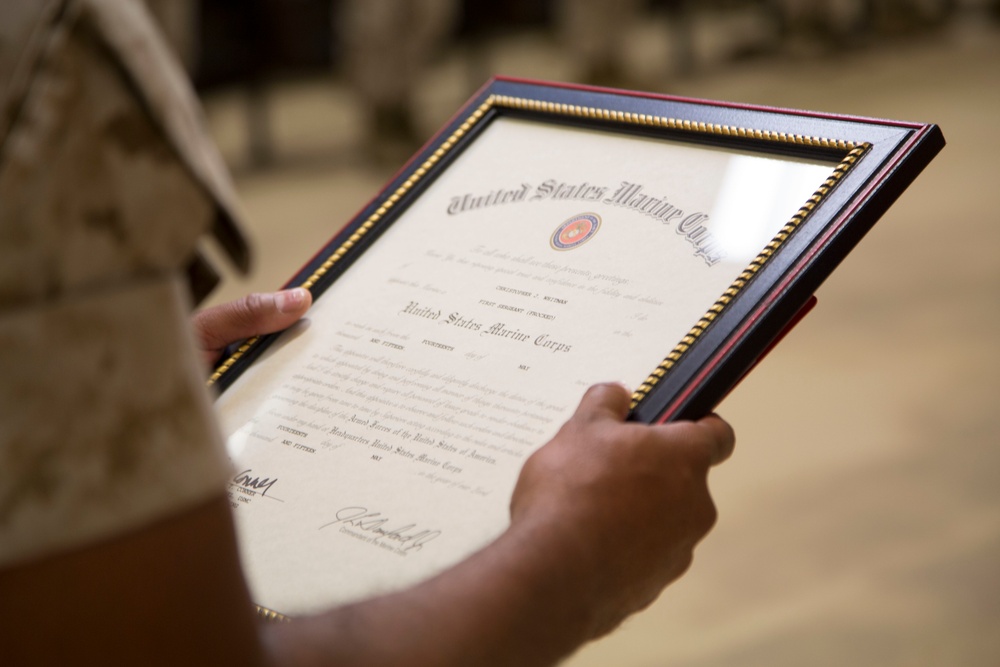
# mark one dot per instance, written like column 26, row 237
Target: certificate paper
column 378, row 442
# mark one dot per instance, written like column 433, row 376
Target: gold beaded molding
column 727, row 297
column 370, row 222
column 854, row 150
column 667, row 123
column 270, row 615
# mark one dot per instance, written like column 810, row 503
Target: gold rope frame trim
column 737, row 286
column 370, row 222
column 855, row 151
column 646, row 120
column 271, row 615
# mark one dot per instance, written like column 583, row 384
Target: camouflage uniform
column 594, row 32
column 385, row 46
column 838, row 20
column 178, row 21
column 107, row 180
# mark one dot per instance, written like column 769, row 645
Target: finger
column 604, row 400
column 252, row 315
column 710, row 437
column 721, row 435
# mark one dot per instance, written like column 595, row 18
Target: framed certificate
column 549, row 237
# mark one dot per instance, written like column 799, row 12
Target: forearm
column 603, row 517
column 513, row 603
column 168, row 594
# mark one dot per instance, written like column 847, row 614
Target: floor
column 860, row 517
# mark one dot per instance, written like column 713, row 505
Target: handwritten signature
column 407, row 538
column 259, row 484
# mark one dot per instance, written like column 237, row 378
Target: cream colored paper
column 379, row 442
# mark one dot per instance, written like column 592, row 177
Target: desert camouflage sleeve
column 107, row 182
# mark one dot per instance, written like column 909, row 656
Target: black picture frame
column 875, row 161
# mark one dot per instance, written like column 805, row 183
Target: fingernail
column 289, row 301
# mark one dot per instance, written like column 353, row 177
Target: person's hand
column 620, row 505
column 252, row 315
column 602, row 518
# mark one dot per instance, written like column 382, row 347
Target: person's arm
column 603, row 517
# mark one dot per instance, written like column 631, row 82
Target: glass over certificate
column 378, row 441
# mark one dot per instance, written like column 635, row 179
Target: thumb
column 604, row 400
column 251, row 315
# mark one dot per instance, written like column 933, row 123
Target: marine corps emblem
column 576, row 231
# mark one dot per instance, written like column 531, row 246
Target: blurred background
column 860, row 517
